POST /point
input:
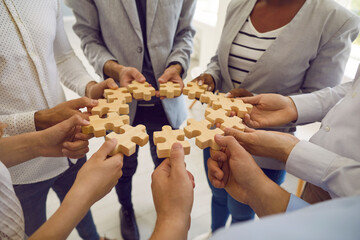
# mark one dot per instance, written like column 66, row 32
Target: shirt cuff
column 20, row 123
column 307, row 107
column 295, row 203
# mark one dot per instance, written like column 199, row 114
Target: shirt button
column 327, row 129
column 139, row 49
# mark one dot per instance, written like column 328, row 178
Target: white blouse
column 11, row 215
column 247, row 48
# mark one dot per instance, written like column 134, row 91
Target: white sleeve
column 335, row 174
column 314, row 106
column 18, row 123
column 71, row 71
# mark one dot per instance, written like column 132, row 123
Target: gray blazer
column 309, row 54
column 110, row 30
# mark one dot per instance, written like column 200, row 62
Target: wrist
column 287, row 148
column 293, row 110
column 167, row 227
column 42, row 119
column 88, row 89
column 113, row 69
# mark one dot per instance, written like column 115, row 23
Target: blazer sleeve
column 313, row 107
column 183, row 41
column 327, row 69
column 87, row 27
column 335, row 174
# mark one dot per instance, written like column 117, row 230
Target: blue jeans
column 222, row 204
column 154, row 118
column 33, row 201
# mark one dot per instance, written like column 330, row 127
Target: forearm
column 171, row 228
column 20, row 148
column 69, row 214
column 112, row 69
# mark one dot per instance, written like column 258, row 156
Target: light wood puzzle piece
column 104, row 107
column 128, row 138
column 166, row 138
column 210, row 97
column 98, row 126
column 141, row 91
column 221, row 116
column 121, row 94
column 233, row 104
column 170, row 90
column 193, row 90
column 204, row 135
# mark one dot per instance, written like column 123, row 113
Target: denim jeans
column 154, row 118
column 33, row 201
column 222, row 204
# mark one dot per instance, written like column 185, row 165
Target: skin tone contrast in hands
column 122, row 74
column 173, row 194
column 171, row 74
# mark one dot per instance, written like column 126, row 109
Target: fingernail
column 218, row 136
column 86, row 122
column 93, row 101
column 113, row 85
column 200, row 82
column 114, row 140
column 176, row 146
column 227, row 94
column 209, row 89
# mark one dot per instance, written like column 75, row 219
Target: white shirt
column 331, row 160
column 330, row 220
column 246, row 49
column 34, row 54
column 11, row 215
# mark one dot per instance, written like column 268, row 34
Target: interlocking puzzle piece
column 98, row 126
column 121, row 94
column 193, row 90
column 141, row 91
column 128, row 138
column 170, row 90
column 221, row 116
column 210, row 97
column 233, row 104
column 204, row 135
column 166, row 138
column 104, row 107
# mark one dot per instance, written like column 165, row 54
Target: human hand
column 171, row 74
column 239, row 92
column 172, row 188
column 64, row 139
column 272, row 144
column 95, row 90
column 270, row 110
column 123, row 75
column 244, row 180
column 207, row 79
column 99, row 174
column 50, row 117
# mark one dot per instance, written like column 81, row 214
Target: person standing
column 138, row 40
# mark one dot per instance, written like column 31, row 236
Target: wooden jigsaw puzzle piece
column 193, row 90
column 166, row 138
column 170, row 90
column 98, row 126
column 121, row 94
column 210, row 97
column 128, row 138
column 104, row 107
column 141, row 91
column 221, row 116
column 204, row 135
column 233, row 104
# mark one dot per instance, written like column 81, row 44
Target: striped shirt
column 247, row 48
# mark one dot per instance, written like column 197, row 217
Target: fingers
column 218, row 156
column 116, row 162
column 240, row 92
column 165, row 77
column 137, row 75
column 75, row 120
column 109, row 83
column 105, row 149
column 75, row 149
column 82, row 102
column 255, row 100
column 192, row 179
column 84, row 137
column 215, row 174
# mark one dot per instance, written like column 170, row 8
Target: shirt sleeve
column 295, row 203
column 314, row 106
column 335, row 174
column 18, row 123
column 71, row 71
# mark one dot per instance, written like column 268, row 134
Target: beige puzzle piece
column 204, row 135
column 166, row 138
column 141, row 91
column 98, row 126
column 128, row 138
column 121, row 94
column 221, row 116
column 170, row 90
column 193, row 90
column 233, row 104
column 210, row 97
column 104, row 107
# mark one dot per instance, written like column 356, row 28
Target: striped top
column 247, row 48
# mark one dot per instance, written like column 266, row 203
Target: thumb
column 138, row 76
column 109, row 83
column 75, row 120
column 252, row 100
column 164, row 78
column 177, row 158
column 238, row 135
column 227, row 142
column 82, row 102
column 105, row 149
